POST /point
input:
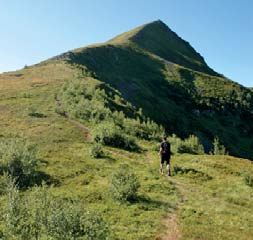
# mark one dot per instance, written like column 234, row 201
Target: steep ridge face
column 158, row 38
column 158, row 72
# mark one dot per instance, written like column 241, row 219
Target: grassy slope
column 64, row 154
column 151, row 83
column 63, row 151
column 143, row 65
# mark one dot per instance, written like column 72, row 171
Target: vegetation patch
column 18, row 160
column 124, row 184
column 40, row 215
column 191, row 173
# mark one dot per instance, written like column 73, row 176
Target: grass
column 220, row 208
column 64, row 155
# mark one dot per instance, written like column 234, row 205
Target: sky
column 220, row 30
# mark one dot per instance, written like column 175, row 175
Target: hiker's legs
column 161, row 164
column 161, row 168
column 168, row 169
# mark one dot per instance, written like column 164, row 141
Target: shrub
column 39, row 215
column 27, row 95
column 5, row 183
column 71, row 222
column 32, row 112
column 111, row 135
column 96, row 150
column 190, row 145
column 124, row 184
column 218, row 149
column 18, row 159
column 148, row 130
column 59, row 110
column 248, row 180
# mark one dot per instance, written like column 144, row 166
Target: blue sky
column 220, row 30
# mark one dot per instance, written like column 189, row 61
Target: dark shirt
column 165, row 148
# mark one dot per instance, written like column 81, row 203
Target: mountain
column 158, row 72
column 80, row 133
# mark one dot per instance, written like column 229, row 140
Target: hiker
column 165, row 155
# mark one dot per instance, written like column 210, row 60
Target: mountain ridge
column 158, row 38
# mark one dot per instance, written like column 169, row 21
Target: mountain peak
column 156, row 23
column 126, row 36
column 156, row 37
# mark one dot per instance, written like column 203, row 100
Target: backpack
column 165, row 148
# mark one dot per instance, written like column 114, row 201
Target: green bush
column 72, row 222
column 32, row 112
column 111, row 135
column 59, row 110
column 148, row 130
column 96, row 150
column 18, row 159
column 248, row 179
column 190, row 145
column 218, row 148
column 5, row 182
column 124, row 184
column 39, row 215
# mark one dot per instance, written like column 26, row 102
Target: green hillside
column 79, row 137
column 153, row 69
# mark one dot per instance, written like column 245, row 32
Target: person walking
column 165, row 155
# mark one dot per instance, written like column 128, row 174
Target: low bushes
column 18, row 160
column 86, row 99
column 190, row 145
column 39, row 215
column 248, row 179
column 192, row 173
column 96, row 150
column 5, row 183
column 218, row 148
column 124, row 184
column 111, row 135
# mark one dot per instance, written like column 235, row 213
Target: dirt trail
column 81, row 126
column 172, row 225
column 171, row 222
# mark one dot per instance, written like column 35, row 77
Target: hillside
column 66, row 105
column 153, row 68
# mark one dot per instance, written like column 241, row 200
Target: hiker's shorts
column 165, row 159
